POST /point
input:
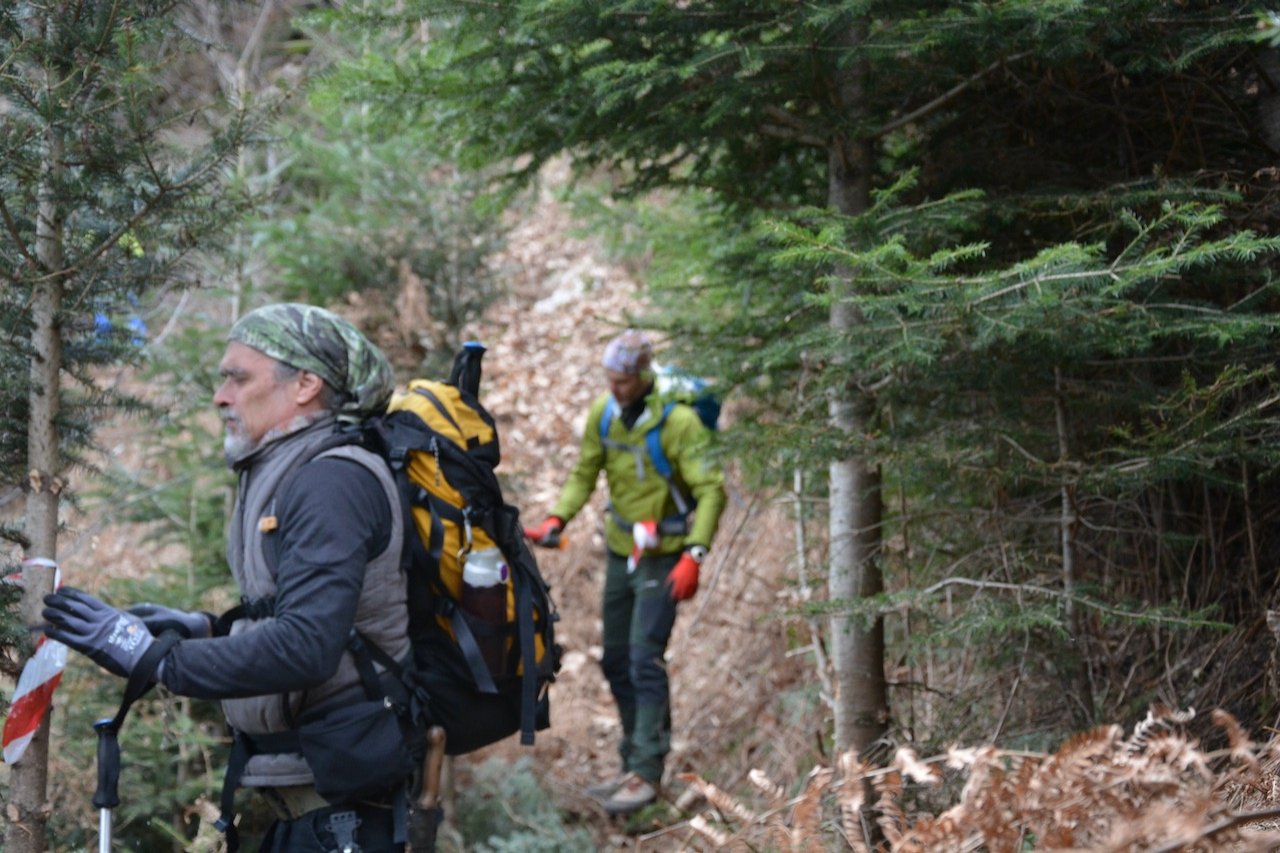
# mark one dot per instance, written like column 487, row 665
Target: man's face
column 626, row 388
column 253, row 399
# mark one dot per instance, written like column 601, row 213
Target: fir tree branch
column 1053, row 593
column 12, row 228
column 949, row 95
column 791, row 127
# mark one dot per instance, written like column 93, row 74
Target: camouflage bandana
column 321, row 342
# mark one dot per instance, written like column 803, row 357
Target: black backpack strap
column 256, row 608
column 364, row 652
column 529, row 662
column 244, row 747
column 413, row 495
column 506, row 533
column 467, row 644
column 236, row 762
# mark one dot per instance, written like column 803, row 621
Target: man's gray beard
column 236, row 446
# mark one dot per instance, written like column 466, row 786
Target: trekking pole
column 107, row 797
column 427, row 815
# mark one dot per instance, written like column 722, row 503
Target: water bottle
column 484, row 598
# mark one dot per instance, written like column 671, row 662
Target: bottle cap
column 484, row 567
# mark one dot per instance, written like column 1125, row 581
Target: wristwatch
column 698, row 552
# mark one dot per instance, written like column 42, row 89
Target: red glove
column 546, row 534
column 683, row 578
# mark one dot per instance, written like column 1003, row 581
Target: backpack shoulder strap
column 606, row 420
column 653, row 443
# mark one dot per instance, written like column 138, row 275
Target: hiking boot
column 633, row 794
column 604, row 790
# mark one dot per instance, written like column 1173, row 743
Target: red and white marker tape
column 33, row 696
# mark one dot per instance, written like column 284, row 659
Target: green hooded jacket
column 636, row 491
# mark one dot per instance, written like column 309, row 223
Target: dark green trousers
column 638, row 616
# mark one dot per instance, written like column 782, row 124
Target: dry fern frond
column 703, row 827
column 851, row 794
column 1168, row 821
column 991, row 803
column 1158, row 719
column 892, row 820
column 936, row 835
column 1241, row 745
column 1084, row 747
column 806, row 817
column 982, row 773
column 762, row 783
column 913, row 768
column 1175, row 752
column 1156, row 791
column 961, row 758
column 721, row 800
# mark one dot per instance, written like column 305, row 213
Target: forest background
column 988, row 291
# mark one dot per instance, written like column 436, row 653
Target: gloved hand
column 191, row 624
column 111, row 638
column 683, row 577
column 546, row 534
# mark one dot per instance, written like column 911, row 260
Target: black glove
column 191, row 624
column 111, row 638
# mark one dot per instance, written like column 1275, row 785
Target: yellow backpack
column 484, row 677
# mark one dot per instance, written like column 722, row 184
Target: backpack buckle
column 343, row 826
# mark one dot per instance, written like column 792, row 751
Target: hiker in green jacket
column 663, row 514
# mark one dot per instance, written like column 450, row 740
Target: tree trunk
column 28, row 781
column 1075, row 659
column 856, row 500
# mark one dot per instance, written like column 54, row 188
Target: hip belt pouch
column 357, row 752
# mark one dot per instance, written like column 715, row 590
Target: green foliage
column 177, row 490
column 170, row 756
column 174, row 491
column 507, row 809
column 107, row 186
column 370, row 203
column 969, row 359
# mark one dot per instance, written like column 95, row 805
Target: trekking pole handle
column 107, row 796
